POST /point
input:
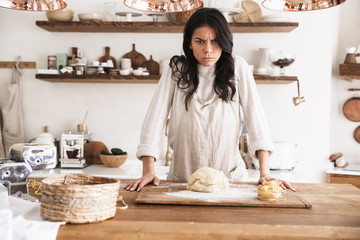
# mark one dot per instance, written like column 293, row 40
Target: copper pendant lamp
column 33, row 5
column 164, row 5
column 300, row 5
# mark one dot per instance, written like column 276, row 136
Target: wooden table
column 335, row 214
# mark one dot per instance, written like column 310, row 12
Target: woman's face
column 205, row 46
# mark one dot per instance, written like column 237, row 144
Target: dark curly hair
column 185, row 68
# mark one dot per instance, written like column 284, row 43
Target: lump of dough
column 207, row 179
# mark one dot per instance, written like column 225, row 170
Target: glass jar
column 80, row 68
column 264, row 65
column 109, row 11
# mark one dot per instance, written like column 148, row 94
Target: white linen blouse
column 168, row 100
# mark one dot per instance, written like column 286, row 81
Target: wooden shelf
column 21, row 64
column 158, row 27
column 266, row 79
column 98, row 78
column 350, row 71
column 260, row 79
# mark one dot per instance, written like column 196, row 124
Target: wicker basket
column 79, row 198
column 113, row 160
column 182, row 17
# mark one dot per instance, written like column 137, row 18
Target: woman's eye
column 215, row 41
column 199, row 41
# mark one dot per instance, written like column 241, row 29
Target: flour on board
column 231, row 193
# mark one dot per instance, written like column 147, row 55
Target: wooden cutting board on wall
column 152, row 66
column 136, row 58
column 107, row 56
column 240, row 194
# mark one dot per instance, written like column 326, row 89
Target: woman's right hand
column 148, row 175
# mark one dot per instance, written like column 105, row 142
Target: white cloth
column 13, row 129
column 168, row 98
column 21, row 220
column 5, row 215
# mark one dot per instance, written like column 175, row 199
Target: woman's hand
column 143, row 181
column 148, row 175
column 283, row 184
column 263, row 157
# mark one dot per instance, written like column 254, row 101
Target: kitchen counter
column 344, row 175
column 132, row 169
column 335, row 214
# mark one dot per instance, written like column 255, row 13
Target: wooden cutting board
column 136, row 58
column 251, row 12
column 92, row 151
column 107, row 56
column 244, row 195
column 152, row 66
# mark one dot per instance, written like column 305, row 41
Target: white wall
column 116, row 111
column 342, row 129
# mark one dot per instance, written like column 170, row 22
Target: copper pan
column 357, row 134
column 351, row 109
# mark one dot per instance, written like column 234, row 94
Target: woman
column 206, row 92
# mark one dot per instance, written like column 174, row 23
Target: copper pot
column 351, row 109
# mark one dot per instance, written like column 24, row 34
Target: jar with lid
column 80, row 69
column 264, row 65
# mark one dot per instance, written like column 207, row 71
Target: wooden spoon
column 107, row 57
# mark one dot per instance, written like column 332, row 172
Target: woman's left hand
column 283, row 184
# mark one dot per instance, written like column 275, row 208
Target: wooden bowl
column 113, row 160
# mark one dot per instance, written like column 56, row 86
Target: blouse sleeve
column 156, row 116
column 258, row 133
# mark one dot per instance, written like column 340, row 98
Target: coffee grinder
column 72, row 149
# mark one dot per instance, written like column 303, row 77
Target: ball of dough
column 207, row 179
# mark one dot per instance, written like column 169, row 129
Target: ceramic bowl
column 124, row 72
column 62, row 15
column 113, row 160
column 90, row 17
column 137, row 72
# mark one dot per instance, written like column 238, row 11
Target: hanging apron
column 208, row 136
column 13, row 130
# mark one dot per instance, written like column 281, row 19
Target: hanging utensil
column 357, row 134
column 351, row 109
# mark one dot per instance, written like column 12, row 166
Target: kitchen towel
column 5, row 214
column 13, row 129
column 2, row 150
column 20, row 220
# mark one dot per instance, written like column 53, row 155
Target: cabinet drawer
column 343, row 178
